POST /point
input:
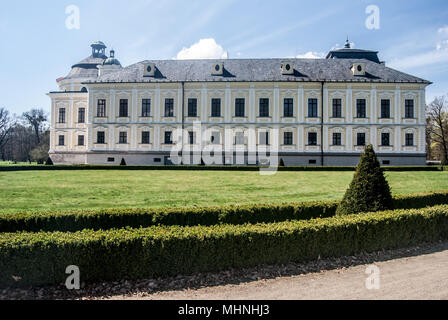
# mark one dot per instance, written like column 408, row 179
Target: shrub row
column 210, row 168
column 42, row 258
column 70, row 221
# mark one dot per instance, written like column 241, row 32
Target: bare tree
column 437, row 112
column 40, row 152
column 5, row 129
column 428, row 138
column 37, row 119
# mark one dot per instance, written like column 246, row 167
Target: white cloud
column 338, row 46
column 442, row 45
column 311, row 55
column 204, row 49
column 443, row 29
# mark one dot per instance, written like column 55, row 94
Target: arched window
column 84, row 89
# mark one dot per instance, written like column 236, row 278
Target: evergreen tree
column 281, row 163
column 123, row 162
column 369, row 190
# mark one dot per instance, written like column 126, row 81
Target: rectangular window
column 264, row 108
column 239, row 107
column 80, row 140
column 61, row 115
column 337, row 108
column 337, row 139
column 169, row 108
column 215, row 138
column 123, row 108
column 191, row 137
column 409, row 139
column 61, row 140
column 101, row 109
column 192, row 108
column 239, row 138
column 216, row 107
column 146, row 108
column 123, row 138
column 100, row 137
column 409, row 109
column 385, row 139
column 145, row 137
column 361, row 139
column 288, row 108
column 264, row 138
column 312, row 138
column 81, row 115
column 168, row 137
column 360, row 108
column 287, row 138
column 385, row 109
column 312, row 108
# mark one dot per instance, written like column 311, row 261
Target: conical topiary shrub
column 369, row 190
column 123, row 162
column 281, row 163
column 49, row 162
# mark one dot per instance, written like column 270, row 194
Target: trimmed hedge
column 70, row 221
column 42, row 258
column 420, row 200
column 209, row 168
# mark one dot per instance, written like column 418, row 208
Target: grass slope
column 55, row 190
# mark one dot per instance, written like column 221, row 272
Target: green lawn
column 47, row 190
column 12, row 164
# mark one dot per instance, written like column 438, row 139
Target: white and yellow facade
column 306, row 136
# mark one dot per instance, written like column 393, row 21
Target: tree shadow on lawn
column 142, row 288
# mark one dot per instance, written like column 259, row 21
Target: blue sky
column 37, row 47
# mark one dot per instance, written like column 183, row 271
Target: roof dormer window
column 218, row 69
column 359, row 69
column 149, row 70
column 287, row 68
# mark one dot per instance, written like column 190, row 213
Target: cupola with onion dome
column 87, row 68
column 111, row 61
column 98, row 50
column 84, row 70
column 109, row 65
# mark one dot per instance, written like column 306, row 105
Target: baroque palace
column 308, row 111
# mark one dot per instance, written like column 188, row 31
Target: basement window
column 386, row 162
column 312, row 162
column 110, row 159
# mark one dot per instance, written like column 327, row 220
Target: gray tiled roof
column 256, row 70
column 86, row 68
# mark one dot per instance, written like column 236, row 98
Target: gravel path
column 419, row 272
column 420, row 277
